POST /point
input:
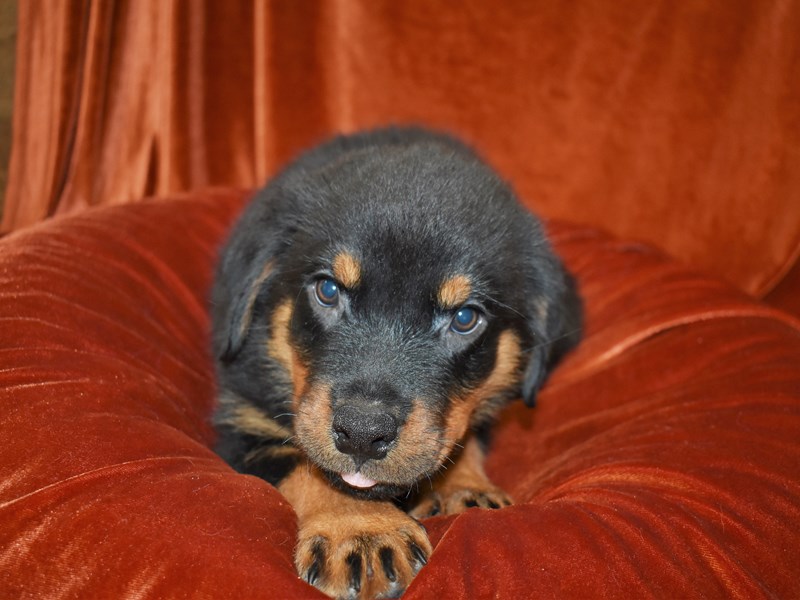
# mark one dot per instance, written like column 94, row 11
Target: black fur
column 414, row 207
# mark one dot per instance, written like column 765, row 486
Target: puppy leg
column 351, row 548
column 463, row 485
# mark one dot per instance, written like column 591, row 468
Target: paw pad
column 450, row 502
column 348, row 563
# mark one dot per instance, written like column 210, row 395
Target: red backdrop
column 673, row 122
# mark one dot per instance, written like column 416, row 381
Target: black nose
column 363, row 432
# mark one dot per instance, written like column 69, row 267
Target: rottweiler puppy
column 375, row 307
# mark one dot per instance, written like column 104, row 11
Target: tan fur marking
column 347, row 270
column 418, row 447
column 418, row 428
column 310, row 494
column 467, row 472
column 503, row 376
column 313, row 422
column 299, row 379
column 454, row 291
column 267, row 452
column 248, row 419
column 251, row 297
column 462, row 485
column 469, row 466
column 341, row 524
column 281, row 349
column 419, row 442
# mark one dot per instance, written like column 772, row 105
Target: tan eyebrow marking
column 478, row 402
column 454, row 291
column 347, row 269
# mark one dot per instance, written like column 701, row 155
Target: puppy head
column 390, row 299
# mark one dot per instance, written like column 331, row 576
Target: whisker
column 507, row 307
column 556, row 339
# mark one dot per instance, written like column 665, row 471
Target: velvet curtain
column 677, row 123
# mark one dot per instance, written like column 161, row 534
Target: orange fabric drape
column 120, row 100
column 677, row 123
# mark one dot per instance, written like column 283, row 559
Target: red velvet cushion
column 663, row 459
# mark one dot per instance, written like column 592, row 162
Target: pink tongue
column 358, row 480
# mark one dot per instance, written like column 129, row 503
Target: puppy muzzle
column 363, row 432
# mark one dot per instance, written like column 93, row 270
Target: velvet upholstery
column 663, row 459
column 676, row 123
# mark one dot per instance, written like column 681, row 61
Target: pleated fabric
column 663, row 459
column 677, row 123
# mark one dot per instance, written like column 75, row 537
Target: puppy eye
column 327, row 293
column 465, row 321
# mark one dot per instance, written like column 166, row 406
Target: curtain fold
column 118, row 100
column 674, row 123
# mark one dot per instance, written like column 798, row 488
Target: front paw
column 373, row 556
column 450, row 501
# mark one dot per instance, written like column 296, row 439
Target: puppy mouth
column 368, row 469
column 373, row 481
column 361, row 486
column 374, row 477
column 357, row 480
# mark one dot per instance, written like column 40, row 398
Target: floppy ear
column 555, row 322
column 535, row 371
column 238, row 308
column 247, row 262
